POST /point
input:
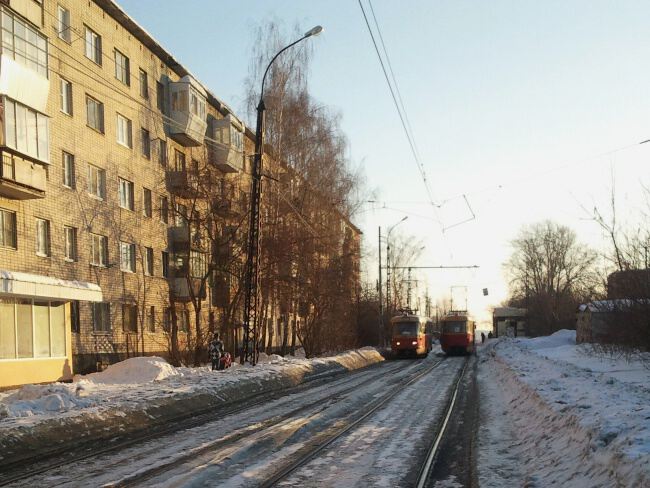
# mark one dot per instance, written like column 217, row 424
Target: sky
column 531, row 110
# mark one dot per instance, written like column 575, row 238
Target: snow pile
column 132, row 371
column 31, row 400
column 553, row 413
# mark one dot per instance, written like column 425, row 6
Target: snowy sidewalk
column 553, row 412
column 140, row 392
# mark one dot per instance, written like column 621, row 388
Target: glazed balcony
column 188, row 112
column 226, row 149
column 181, row 183
column 21, row 179
column 181, row 286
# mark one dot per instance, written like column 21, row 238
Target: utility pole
column 381, row 298
column 408, row 290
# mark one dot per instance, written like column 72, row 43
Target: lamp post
column 250, row 352
column 390, row 229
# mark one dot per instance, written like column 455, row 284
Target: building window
column 162, row 153
column 42, row 237
column 96, row 181
column 180, row 215
column 197, row 104
column 145, row 143
column 63, row 26
column 198, row 264
column 65, row 89
column 8, row 229
column 179, row 160
column 70, row 243
column 126, row 194
column 127, row 257
column 164, row 210
column 122, row 68
column 93, row 45
column 129, row 318
column 32, row 329
column 98, row 250
column 165, row 264
column 167, row 319
column 101, row 317
column 183, row 317
column 146, row 202
column 148, row 261
column 75, row 317
column 124, row 131
column 22, row 42
column 144, row 84
column 26, row 130
column 151, row 319
column 160, row 96
column 95, row 114
column 69, row 179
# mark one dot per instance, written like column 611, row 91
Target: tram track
column 313, row 451
column 23, row 471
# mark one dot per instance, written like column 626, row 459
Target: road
column 374, row 427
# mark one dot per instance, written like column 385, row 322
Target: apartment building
column 105, row 139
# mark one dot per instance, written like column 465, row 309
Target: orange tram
column 410, row 335
column 457, row 333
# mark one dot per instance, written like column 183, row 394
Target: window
column 65, row 89
column 95, row 114
column 101, row 317
column 96, row 181
column 63, row 27
column 165, row 264
column 70, row 243
column 126, row 194
column 124, row 131
column 180, row 215
column 127, row 257
column 8, row 229
column 93, row 45
column 98, row 250
column 146, row 202
column 148, row 261
column 198, row 264
column 179, row 160
column 197, row 104
column 183, row 317
column 129, row 318
column 122, row 68
column 167, row 319
column 160, row 96
column 145, row 143
column 26, row 130
column 151, row 319
column 75, row 317
column 144, row 84
column 162, row 153
column 69, row 180
column 42, row 237
column 22, row 42
column 164, row 210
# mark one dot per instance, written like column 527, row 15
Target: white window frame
column 93, row 45
column 127, row 257
column 145, row 143
column 98, row 250
column 164, row 209
column 125, row 192
column 96, row 182
column 148, row 261
column 68, row 166
column 123, row 131
column 42, row 238
column 8, row 229
column 64, row 26
column 94, row 114
column 122, row 67
column 147, row 208
column 70, row 243
column 144, row 84
column 65, row 91
column 26, row 130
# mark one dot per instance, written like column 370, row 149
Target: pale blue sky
column 497, row 92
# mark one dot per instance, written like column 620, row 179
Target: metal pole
column 381, row 298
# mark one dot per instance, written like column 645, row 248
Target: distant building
column 510, row 321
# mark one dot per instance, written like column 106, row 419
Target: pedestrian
column 490, row 336
column 215, row 350
column 482, row 337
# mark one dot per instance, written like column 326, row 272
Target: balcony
column 181, row 183
column 226, row 149
column 228, row 207
column 180, row 288
column 179, row 238
column 21, row 179
column 188, row 112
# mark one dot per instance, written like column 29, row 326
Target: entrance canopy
column 30, row 285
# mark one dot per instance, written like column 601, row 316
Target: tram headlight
column 397, row 343
column 415, row 343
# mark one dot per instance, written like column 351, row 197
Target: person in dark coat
column 490, row 335
column 215, row 350
column 482, row 337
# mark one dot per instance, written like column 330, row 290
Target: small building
column 510, row 321
column 620, row 321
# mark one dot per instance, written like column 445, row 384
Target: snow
column 557, row 412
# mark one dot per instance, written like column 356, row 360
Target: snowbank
column 139, row 393
column 553, row 413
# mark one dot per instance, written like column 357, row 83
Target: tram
column 409, row 335
column 457, row 333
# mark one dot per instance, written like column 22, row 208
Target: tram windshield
column 405, row 329
column 454, row 326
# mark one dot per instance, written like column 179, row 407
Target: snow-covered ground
column 555, row 412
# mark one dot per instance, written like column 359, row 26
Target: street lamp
column 390, row 229
column 249, row 353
